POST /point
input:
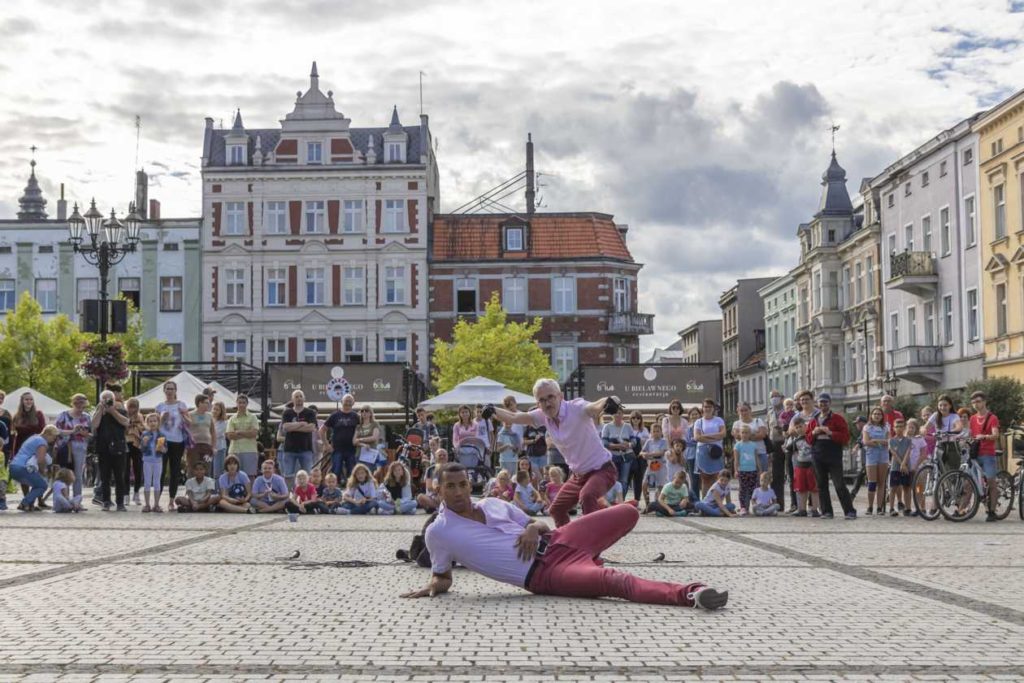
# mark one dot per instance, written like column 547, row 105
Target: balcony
column 913, row 272
column 921, row 364
column 631, row 324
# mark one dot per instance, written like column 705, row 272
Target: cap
column 824, row 397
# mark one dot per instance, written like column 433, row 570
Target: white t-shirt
column 711, row 425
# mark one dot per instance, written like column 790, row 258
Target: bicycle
column 959, row 492
column 1016, row 434
column 927, row 477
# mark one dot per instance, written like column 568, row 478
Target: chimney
column 62, row 205
column 141, row 192
column 154, row 210
column 623, row 228
column 209, row 123
column 530, row 202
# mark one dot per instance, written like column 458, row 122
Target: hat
column 861, row 418
column 824, row 397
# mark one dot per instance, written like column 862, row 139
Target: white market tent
column 229, row 397
column 50, row 407
column 189, row 386
column 477, row 390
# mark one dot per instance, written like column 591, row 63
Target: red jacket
column 838, row 425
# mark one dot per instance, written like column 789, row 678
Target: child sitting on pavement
column 804, row 482
column 269, row 491
column 616, row 497
column 331, row 497
column 718, row 501
column 200, row 492
column 526, row 497
column 62, row 500
column 316, row 478
column 556, row 478
column 674, row 497
column 360, row 498
column 234, row 487
column 502, row 486
column 304, row 496
column 762, row 500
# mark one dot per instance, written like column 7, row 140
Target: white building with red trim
column 314, row 238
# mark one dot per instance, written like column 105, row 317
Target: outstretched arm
column 513, row 416
column 439, row 583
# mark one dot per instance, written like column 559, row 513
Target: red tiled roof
column 752, row 360
column 477, row 237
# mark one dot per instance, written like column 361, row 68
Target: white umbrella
column 230, row 398
column 189, row 386
column 477, row 390
column 50, row 407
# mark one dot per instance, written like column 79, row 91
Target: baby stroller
column 471, row 454
column 413, row 455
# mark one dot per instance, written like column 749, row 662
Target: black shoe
column 97, row 501
column 991, row 517
column 41, row 505
column 107, row 507
column 869, row 512
column 122, row 508
column 709, row 598
column 827, row 515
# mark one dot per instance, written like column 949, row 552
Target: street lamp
column 103, row 249
column 892, row 383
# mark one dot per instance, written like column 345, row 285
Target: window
column 912, row 326
column 314, row 153
column 394, row 152
column 906, row 190
column 6, row 295
column 947, row 319
column 851, row 364
column 355, row 349
column 929, row 323
column 314, row 286
column 513, row 239
column 872, row 355
column 620, row 289
column 315, row 216
column 817, row 292
column 170, row 293
column 394, row 215
column 275, row 218
column 563, row 295
column 277, row 279
column 942, row 169
column 997, row 147
column 908, row 237
column 276, row 350
column 999, row 201
column 314, row 351
column 234, row 287
column 869, row 274
column 621, row 354
column 563, row 359
column 175, row 351
column 353, row 220
column 894, row 330
column 45, row 248
column 831, row 236
column 836, row 363
column 844, row 291
column 926, row 231
column 87, row 288
column 891, row 199
column 465, row 296
column 354, row 285
column 46, row 294
column 833, row 287
column 972, row 315
column 944, row 239
column 234, row 218
column 237, row 155
column 395, row 350
column 924, row 179
column 968, row 156
column 130, row 288
column 969, row 219
column 1000, row 310
column 394, row 285
column 234, row 349
column 170, row 246
column 513, row 295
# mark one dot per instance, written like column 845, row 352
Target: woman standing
column 875, row 436
column 674, row 425
column 636, row 465
column 174, row 420
column 27, row 422
column 945, row 425
column 133, row 435
column 709, row 432
column 220, row 439
column 367, row 438
column 691, row 454
column 75, row 426
column 463, row 428
column 203, row 434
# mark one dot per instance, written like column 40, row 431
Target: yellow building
column 1000, row 213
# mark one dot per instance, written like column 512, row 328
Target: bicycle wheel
column 1004, row 501
column 1020, row 493
column 957, row 496
column 925, row 483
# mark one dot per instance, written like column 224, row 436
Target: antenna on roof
column 138, row 135
column 422, row 74
column 834, row 128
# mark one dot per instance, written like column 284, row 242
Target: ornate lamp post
column 892, row 383
column 103, row 244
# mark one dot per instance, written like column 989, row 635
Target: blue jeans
column 538, row 461
column 691, row 469
column 342, row 464
column 712, row 510
column 293, row 461
column 218, row 462
column 36, row 483
column 509, row 465
column 361, row 509
column 404, row 507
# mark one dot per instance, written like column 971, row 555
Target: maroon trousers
column 571, row 567
column 586, row 489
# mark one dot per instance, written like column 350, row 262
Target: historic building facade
column 780, row 317
column 742, row 338
column 931, row 262
column 162, row 277
column 1000, row 203
column 315, row 237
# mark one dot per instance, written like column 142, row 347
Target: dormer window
column 514, row 239
column 314, row 153
column 237, row 155
column 393, row 152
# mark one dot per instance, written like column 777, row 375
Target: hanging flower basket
column 103, row 361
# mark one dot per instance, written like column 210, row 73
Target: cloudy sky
column 704, row 126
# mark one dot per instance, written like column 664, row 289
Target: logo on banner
column 604, row 386
column 650, row 374
column 694, row 386
column 337, row 386
column 381, row 385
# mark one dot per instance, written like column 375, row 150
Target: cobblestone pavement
column 127, row 596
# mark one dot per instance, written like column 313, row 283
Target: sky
column 703, row 126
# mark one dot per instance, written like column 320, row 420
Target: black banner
column 325, row 383
column 637, row 385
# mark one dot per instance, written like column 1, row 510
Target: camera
column 109, row 402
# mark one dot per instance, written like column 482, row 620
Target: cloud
column 17, row 27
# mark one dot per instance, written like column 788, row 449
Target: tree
column 494, row 348
column 1004, row 397
column 137, row 346
column 42, row 354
